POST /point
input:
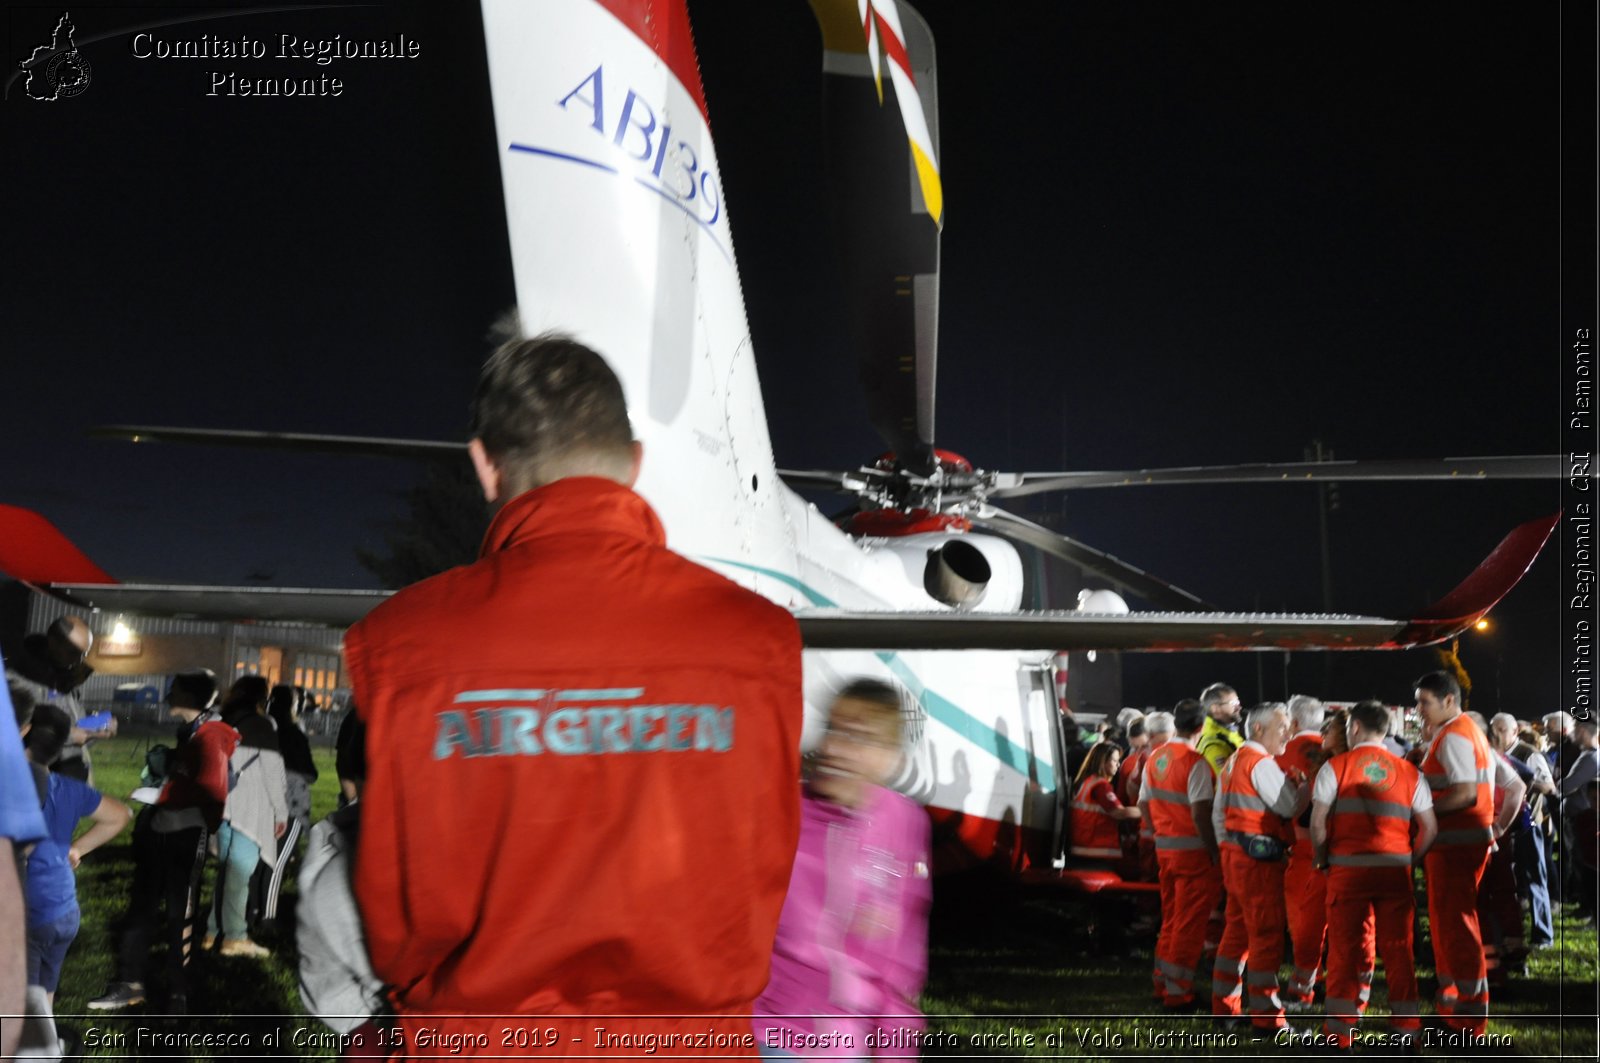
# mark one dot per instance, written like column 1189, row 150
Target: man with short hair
column 1156, row 730
column 1459, row 769
column 1176, row 797
column 581, row 749
column 1304, row 887
column 1256, row 801
column 1218, row 739
column 1363, row 806
column 52, row 666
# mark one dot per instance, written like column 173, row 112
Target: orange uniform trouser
column 1305, row 899
column 1454, row 872
column 1370, row 908
column 1190, row 887
column 1252, row 939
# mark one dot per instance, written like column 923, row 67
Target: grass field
column 1011, row 974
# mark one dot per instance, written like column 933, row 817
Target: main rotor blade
column 1136, row 580
column 886, row 233
column 425, row 449
column 1512, row 467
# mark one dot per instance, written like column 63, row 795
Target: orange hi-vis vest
column 1470, row 825
column 1296, row 756
column 1369, row 824
column 1244, row 811
column 1166, row 775
column 1094, row 830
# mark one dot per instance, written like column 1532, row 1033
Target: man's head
column 1188, row 717
column 191, row 693
column 1584, row 733
column 1557, row 725
column 1306, row 712
column 1477, row 718
column 1268, row 724
column 548, row 408
column 1438, row 698
column 1221, row 702
column 1159, row 727
column 48, row 733
column 862, row 743
column 67, row 641
column 1138, row 733
column 1503, row 731
column 1368, row 721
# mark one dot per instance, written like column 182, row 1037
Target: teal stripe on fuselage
column 935, row 705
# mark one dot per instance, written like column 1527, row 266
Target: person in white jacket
column 257, row 813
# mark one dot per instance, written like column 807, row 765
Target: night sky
column 1175, row 234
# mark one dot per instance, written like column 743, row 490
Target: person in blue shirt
column 21, row 824
column 52, row 888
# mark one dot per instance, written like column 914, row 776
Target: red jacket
column 582, row 755
column 198, row 771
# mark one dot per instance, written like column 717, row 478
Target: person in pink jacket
column 852, row 948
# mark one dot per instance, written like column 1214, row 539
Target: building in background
column 133, row 656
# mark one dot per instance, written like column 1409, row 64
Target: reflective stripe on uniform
column 1465, row 836
column 1369, row 860
column 1169, row 844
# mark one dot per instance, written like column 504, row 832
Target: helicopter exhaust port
column 956, row 574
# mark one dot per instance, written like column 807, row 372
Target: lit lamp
column 122, row 642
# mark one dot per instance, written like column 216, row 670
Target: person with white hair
column 1177, row 795
column 1258, row 800
column 1528, row 842
column 1304, row 887
column 1157, row 729
column 1560, row 751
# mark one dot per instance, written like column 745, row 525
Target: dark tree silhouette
column 443, row 527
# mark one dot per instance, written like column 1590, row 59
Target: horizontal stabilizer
column 839, row 628
column 1173, row 632
column 306, row 605
column 1478, row 593
column 374, row 446
column 34, row 551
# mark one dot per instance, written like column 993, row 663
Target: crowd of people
column 1295, row 823
column 233, row 792
column 573, row 788
column 584, row 691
